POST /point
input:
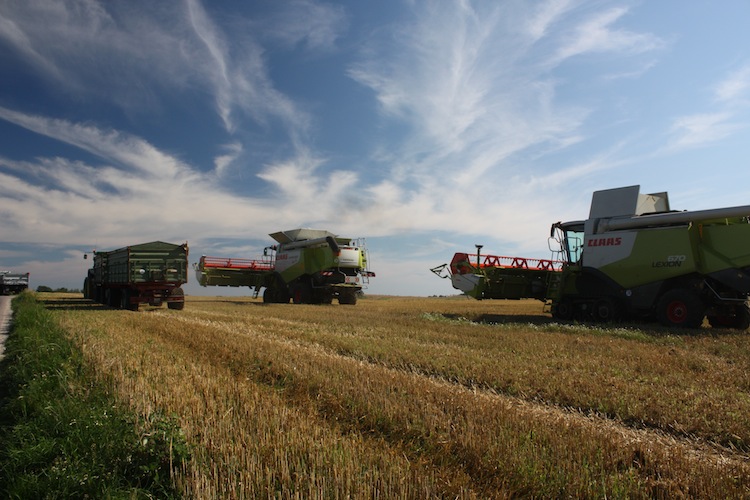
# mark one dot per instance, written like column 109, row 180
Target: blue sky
column 423, row 126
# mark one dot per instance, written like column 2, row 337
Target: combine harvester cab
column 308, row 266
column 149, row 273
column 635, row 258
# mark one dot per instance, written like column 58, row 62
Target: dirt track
column 5, row 315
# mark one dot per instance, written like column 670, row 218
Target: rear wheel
column 742, row 318
column 739, row 319
column 180, row 305
column 681, row 308
column 348, row 298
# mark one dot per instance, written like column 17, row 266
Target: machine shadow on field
column 73, row 304
column 649, row 329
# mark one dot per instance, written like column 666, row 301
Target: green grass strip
column 63, row 436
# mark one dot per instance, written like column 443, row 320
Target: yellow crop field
column 427, row 397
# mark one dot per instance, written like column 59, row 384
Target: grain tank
column 308, row 266
column 148, row 273
column 636, row 258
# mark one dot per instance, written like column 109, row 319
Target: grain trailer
column 149, row 273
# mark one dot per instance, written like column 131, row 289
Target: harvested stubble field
column 427, row 397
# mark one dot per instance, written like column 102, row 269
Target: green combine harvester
column 308, row 266
column 150, row 273
column 633, row 258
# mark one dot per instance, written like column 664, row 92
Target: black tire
column 563, row 310
column 180, row 305
column 740, row 319
column 111, row 298
column 275, row 296
column 282, row 296
column 680, row 308
column 116, row 298
column 326, row 298
column 606, row 310
column 348, row 298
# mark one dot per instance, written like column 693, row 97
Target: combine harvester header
column 493, row 277
column 308, row 266
column 633, row 258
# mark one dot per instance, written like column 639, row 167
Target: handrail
column 231, row 263
column 462, row 263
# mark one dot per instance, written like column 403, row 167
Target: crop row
column 391, row 399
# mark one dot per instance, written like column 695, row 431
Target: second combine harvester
column 308, row 266
column 633, row 257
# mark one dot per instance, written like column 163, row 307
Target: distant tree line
column 44, row 288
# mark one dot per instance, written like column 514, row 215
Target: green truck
column 12, row 283
column 150, row 273
column 308, row 266
column 633, row 258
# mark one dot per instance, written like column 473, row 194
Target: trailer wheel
column 681, row 308
column 179, row 306
column 125, row 301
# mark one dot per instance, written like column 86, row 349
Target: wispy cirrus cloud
column 87, row 46
column 702, row 129
column 735, row 87
column 472, row 84
column 464, row 118
column 598, row 34
column 315, row 25
column 546, row 15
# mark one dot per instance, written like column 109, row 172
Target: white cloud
column 703, row 129
column 735, row 87
column 596, row 35
column 480, row 135
column 317, row 25
column 224, row 161
column 700, row 130
column 546, row 15
column 126, row 54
